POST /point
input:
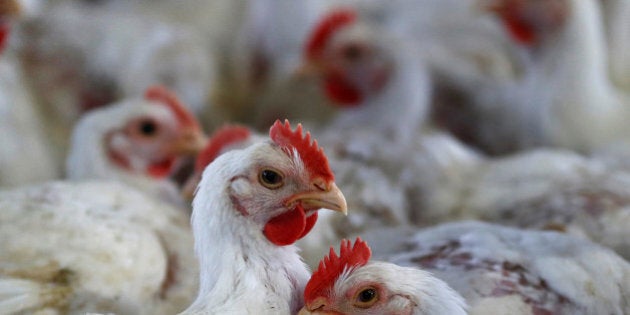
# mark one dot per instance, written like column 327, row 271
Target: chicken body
column 505, row 270
column 93, row 247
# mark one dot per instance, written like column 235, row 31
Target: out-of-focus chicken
column 137, row 141
column 20, row 121
column 502, row 270
column 81, row 57
column 351, row 284
column 469, row 59
column 579, row 105
column 102, row 247
column 251, row 206
column 551, row 190
column 376, row 144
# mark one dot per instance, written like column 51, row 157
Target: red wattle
column 520, row 30
column 287, row 228
column 341, row 91
column 4, row 34
column 161, row 169
column 310, row 223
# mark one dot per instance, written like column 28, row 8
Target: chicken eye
column 147, row 128
column 366, row 298
column 270, row 179
column 352, row 52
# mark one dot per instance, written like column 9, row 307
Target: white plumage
column 503, row 270
column 93, row 246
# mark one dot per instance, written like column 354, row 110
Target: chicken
column 81, row 57
column 388, row 164
column 91, row 246
column 469, row 58
column 20, row 120
column 573, row 89
column 351, row 284
column 136, row 141
column 379, row 87
column 257, row 202
column 502, row 270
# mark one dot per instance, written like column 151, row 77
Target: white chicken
column 383, row 158
column 502, row 270
column 136, row 141
column 258, row 201
column 565, row 40
column 350, row 284
column 80, row 57
column 20, row 121
column 103, row 247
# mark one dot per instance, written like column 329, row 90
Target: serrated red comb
column 163, row 95
column 327, row 26
column 222, row 137
column 332, row 266
column 311, row 154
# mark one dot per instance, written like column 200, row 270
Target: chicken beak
column 307, row 69
column 331, row 198
column 190, row 142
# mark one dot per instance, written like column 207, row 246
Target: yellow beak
column 331, row 198
column 190, row 142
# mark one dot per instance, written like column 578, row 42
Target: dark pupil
column 148, row 128
column 270, row 177
column 352, row 52
column 367, row 295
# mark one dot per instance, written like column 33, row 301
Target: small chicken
column 251, row 206
column 136, row 141
column 501, row 270
column 351, row 284
column 91, row 246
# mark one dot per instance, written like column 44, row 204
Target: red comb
column 165, row 96
column 312, row 155
column 332, row 266
column 222, row 137
column 324, row 30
